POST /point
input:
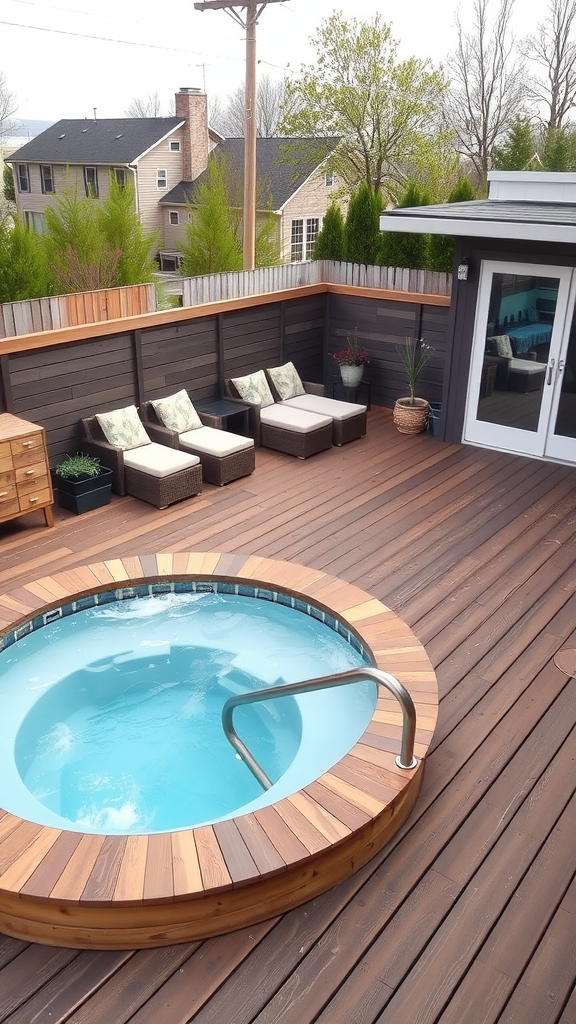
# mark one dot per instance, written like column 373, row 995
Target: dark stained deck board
column 502, row 744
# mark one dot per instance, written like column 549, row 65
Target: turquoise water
column 116, row 711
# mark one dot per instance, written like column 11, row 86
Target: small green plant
column 414, row 354
column 78, row 466
column 352, row 355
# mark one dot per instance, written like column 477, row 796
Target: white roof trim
column 554, row 232
column 157, row 143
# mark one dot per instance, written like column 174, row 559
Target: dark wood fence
column 56, row 379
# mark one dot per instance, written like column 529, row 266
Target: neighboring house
column 510, row 370
column 154, row 152
column 165, row 157
column 294, row 183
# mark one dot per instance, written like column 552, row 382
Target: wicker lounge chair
column 293, row 431
column 152, row 472
column 348, row 419
column 224, row 456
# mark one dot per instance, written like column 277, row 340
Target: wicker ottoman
column 161, row 475
column 294, row 431
column 348, row 419
column 524, row 375
column 224, row 456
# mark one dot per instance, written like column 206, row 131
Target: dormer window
column 47, row 179
column 161, row 179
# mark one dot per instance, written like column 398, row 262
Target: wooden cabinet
column 25, row 483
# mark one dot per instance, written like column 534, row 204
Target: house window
column 329, row 178
column 304, row 234
column 174, row 146
column 161, row 179
column 91, row 182
column 120, row 175
column 23, row 178
column 46, row 179
column 35, row 221
column 174, row 217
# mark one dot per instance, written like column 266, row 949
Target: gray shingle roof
column 282, row 166
column 111, row 141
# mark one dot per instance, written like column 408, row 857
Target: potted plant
column 351, row 360
column 411, row 413
column 82, row 483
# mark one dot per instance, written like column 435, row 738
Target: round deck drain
column 565, row 660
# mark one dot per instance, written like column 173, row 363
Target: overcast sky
column 63, row 58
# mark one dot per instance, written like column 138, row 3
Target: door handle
column 561, row 365
column 550, row 370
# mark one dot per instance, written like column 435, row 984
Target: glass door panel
column 520, row 320
column 561, row 442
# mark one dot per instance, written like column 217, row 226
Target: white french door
column 522, row 382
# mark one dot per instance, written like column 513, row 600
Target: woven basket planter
column 411, row 419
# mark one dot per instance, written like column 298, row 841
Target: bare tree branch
column 270, row 99
column 146, row 106
column 8, row 107
column 553, row 50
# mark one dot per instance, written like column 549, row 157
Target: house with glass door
column 510, row 370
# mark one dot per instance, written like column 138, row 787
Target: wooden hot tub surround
column 120, row 892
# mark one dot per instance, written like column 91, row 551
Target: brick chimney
column 193, row 105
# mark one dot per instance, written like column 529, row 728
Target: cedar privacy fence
column 55, row 312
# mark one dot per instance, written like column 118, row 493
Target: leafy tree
column 329, row 243
column 518, row 148
column 402, row 248
column 553, row 50
column 361, row 227
column 266, row 243
column 9, row 189
column 121, row 228
column 488, row 85
column 211, row 244
column 23, row 272
column 383, row 111
column 441, row 247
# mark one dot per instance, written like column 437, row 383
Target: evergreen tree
column 77, row 253
column 329, row 244
column 518, row 149
column 560, row 150
column 441, row 247
column 122, row 231
column 8, row 187
column 402, row 248
column 211, row 246
column 22, row 266
column 362, row 227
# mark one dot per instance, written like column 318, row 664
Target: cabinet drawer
column 5, row 452
column 27, row 474
column 9, row 509
column 36, row 499
column 23, row 445
column 8, row 492
column 7, row 477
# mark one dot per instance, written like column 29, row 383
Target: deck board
column 468, row 913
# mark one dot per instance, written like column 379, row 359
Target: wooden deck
column 468, row 915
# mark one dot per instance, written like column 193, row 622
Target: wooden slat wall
column 179, row 356
column 382, row 324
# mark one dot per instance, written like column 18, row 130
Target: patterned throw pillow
column 254, row 389
column 177, row 412
column 286, row 381
column 123, row 428
column 533, row 315
column 502, row 345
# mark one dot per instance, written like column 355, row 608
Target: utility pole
column 253, row 10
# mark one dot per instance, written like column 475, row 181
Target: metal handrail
column 406, row 759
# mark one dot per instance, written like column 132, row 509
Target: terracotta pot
column 411, row 419
column 351, row 375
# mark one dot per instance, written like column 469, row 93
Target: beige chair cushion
column 177, row 412
column 326, row 406
column 290, row 418
column 123, row 428
column 215, row 442
column 159, row 460
column 254, row 388
column 287, row 381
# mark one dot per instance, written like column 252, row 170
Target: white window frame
column 174, row 146
column 173, row 217
column 23, row 173
column 161, row 179
column 121, row 176
column 47, row 178
column 36, row 221
column 329, row 178
column 91, row 187
column 303, row 235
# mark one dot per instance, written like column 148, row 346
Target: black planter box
column 83, row 495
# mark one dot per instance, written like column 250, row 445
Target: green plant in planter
column 79, row 467
column 414, row 355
